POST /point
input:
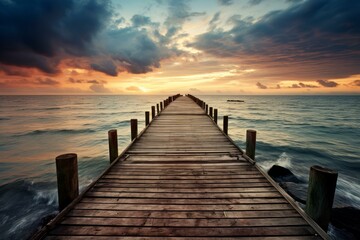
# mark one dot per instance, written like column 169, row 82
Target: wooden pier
column 182, row 177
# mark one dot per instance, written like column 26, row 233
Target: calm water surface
column 293, row 131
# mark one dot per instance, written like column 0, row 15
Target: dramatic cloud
column 327, row 83
column 134, row 50
column 72, row 80
column 261, row 86
column 320, row 35
column 43, row 33
column 99, row 88
column 108, row 67
column 139, row 21
column 355, row 83
column 38, row 33
column 225, row 2
column 178, row 12
column 47, row 81
column 303, row 85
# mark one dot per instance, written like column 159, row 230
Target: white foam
column 284, row 160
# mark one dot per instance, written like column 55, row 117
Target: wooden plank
column 94, row 193
column 177, row 238
column 173, row 222
column 184, row 214
column 184, row 201
column 181, row 232
column 185, row 190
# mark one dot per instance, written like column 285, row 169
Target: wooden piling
column 134, row 128
column 215, row 115
column 157, row 109
column 321, row 191
column 113, row 145
column 225, row 124
column 211, row 112
column 250, row 143
column 161, row 106
column 152, row 112
column 67, row 179
column 147, row 118
column 207, row 109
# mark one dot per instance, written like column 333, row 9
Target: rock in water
column 347, row 218
column 297, row 191
column 281, row 174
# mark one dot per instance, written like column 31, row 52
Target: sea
column 295, row 132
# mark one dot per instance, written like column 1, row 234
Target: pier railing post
column 320, row 197
column 67, row 179
column 134, row 128
column 250, row 143
column 152, row 112
column 113, row 145
column 147, row 118
column 157, row 109
column 211, row 112
column 215, row 115
column 225, row 124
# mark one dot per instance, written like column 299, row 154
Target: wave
column 58, row 131
column 284, row 160
column 24, row 205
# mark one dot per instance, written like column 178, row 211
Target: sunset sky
column 171, row 46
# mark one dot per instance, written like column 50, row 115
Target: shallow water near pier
column 292, row 131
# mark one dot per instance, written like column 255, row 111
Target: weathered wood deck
column 183, row 178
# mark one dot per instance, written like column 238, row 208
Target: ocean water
column 293, row 131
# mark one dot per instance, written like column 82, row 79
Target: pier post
column 207, row 109
column 147, row 118
column 225, row 124
column 250, row 143
column 320, row 197
column 211, row 112
column 134, row 128
column 152, row 112
column 113, row 145
column 67, row 179
column 157, row 109
column 215, row 115
column 161, row 106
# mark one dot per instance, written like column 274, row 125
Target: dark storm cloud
column 313, row 31
column 135, row 51
column 178, row 13
column 327, row 83
column 40, row 34
column 139, row 20
column 225, row 2
column 37, row 33
column 261, row 86
column 107, row 67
